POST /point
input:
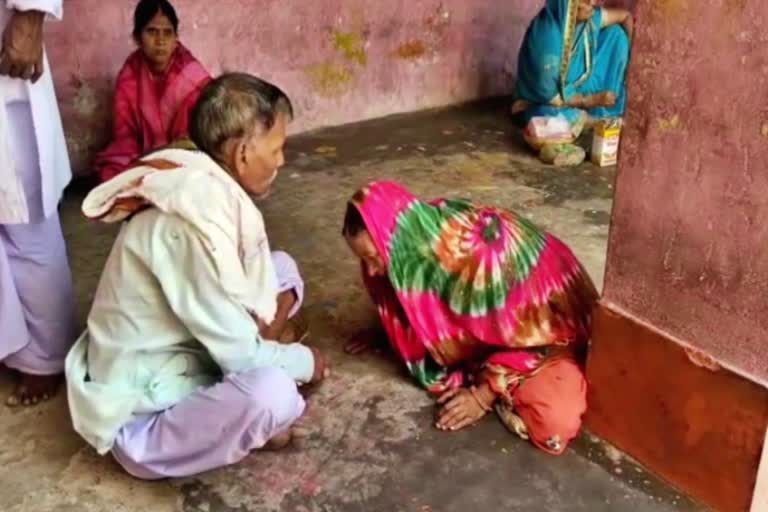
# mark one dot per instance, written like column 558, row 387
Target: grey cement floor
column 372, row 446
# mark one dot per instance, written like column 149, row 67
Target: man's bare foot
column 294, row 434
column 32, row 389
column 279, row 442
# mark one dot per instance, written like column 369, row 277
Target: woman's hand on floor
column 462, row 407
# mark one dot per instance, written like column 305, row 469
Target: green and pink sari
column 473, row 293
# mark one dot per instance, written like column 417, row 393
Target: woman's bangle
column 482, row 404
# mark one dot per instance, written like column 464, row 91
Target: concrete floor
column 372, row 447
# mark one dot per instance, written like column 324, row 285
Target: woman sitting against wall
column 573, row 63
column 156, row 90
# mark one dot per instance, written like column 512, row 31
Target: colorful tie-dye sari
column 473, row 292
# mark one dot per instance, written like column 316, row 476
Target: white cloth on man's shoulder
column 193, row 186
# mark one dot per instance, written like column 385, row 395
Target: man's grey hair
column 233, row 106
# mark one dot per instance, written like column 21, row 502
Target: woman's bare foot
column 511, row 420
column 519, row 106
column 33, row 389
column 602, row 99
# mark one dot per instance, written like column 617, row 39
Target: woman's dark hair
column 147, row 9
column 353, row 222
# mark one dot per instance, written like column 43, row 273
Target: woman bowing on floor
column 485, row 310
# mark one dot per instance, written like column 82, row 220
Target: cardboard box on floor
column 605, row 142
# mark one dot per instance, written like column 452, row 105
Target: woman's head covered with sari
column 462, row 272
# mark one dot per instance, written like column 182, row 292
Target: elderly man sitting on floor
column 176, row 373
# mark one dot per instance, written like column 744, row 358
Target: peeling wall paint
column 687, row 252
column 411, row 49
column 340, row 61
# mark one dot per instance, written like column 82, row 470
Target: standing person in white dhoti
column 36, row 295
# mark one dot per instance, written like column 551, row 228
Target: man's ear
column 241, row 156
column 234, row 155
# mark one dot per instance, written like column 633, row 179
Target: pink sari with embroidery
column 150, row 111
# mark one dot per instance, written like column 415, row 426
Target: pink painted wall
column 688, row 250
column 624, row 4
column 340, row 60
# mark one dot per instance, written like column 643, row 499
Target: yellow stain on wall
column 330, row 79
column 672, row 8
column 673, row 123
column 351, row 45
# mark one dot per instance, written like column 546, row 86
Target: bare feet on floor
column 32, row 389
column 279, row 442
column 519, row 106
column 602, row 99
column 291, row 436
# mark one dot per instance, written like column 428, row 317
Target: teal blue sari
column 563, row 57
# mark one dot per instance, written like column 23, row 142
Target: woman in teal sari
column 573, row 59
